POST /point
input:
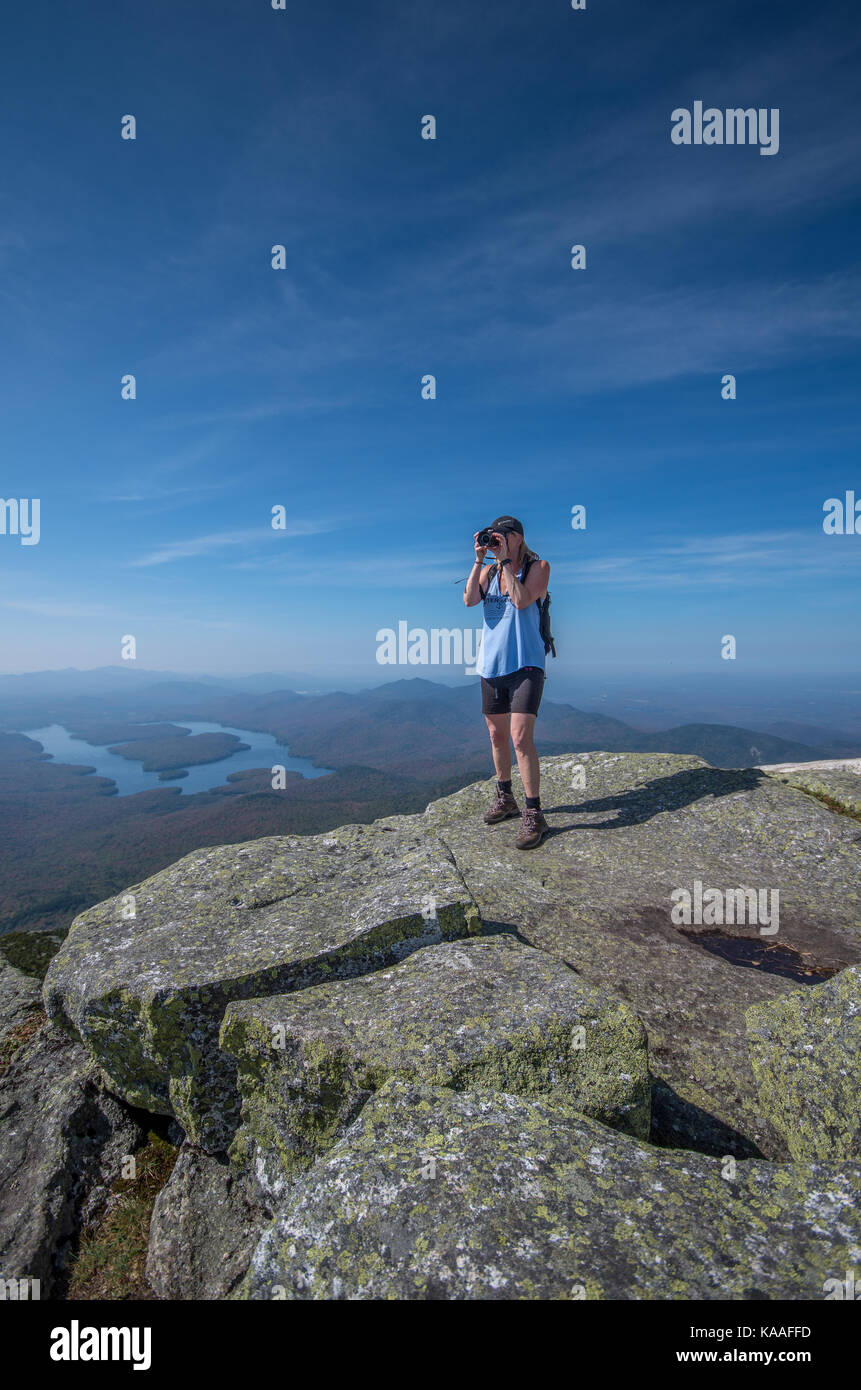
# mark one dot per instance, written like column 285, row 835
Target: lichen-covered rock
column 437, row 1194
column 205, row 1226
column 626, row 830
column 20, row 995
column 806, row 1056
column 64, row 1140
column 147, row 993
column 491, row 1013
column 837, row 781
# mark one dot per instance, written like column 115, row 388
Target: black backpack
column 543, row 604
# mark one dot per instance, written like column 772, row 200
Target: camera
column 485, row 537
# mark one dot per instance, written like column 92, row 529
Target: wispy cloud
column 491, row 286
column 734, row 560
column 198, row 546
column 169, row 475
column 384, row 569
column 55, row 608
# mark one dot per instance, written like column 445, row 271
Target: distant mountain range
column 412, row 726
column 110, row 680
column 420, row 728
column 760, row 706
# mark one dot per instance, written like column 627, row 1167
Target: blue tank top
column 511, row 637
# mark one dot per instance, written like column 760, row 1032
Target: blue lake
column 264, row 751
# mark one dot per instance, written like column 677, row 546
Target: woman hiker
column 511, row 666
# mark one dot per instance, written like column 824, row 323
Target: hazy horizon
column 650, row 702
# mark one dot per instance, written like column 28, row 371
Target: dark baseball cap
column 504, row 524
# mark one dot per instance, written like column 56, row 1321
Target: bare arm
column 535, row 587
column 472, row 592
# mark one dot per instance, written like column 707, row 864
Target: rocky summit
column 835, row 781
column 411, row 1061
column 63, row 1138
column 806, row 1054
column 144, row 979
column 486, row 1014
column 434, row 1194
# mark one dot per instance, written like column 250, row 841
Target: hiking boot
column 534, row 828
column 503, row 807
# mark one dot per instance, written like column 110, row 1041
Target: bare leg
column 499, row 728
column 522, row 735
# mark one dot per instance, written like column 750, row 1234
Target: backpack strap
column 543, row 611
column 489, row 572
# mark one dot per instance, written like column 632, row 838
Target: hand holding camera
column 496, row 541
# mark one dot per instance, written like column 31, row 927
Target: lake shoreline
column 254, row 751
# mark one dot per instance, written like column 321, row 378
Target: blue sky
column 301, row 388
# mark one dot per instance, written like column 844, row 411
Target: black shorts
column 518, row 693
